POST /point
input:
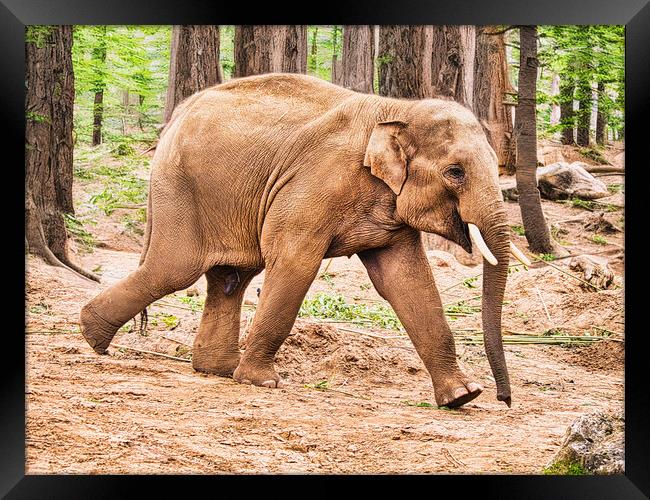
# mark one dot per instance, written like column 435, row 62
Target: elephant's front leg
column 292, row 265
column 402, row 275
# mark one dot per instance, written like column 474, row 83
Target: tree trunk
column 194, row 63
column 584, row 112
column 295, row 50
column 601, row 118
column 358, row 58
column 452, row 62
column 49, row 100
column 405, row 61
column 270, row 49
column 535, row 226
column 491, row 88
column 566, row 110
column 99, row 55
column 337, row 64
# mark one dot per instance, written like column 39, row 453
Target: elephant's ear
column 385, row 156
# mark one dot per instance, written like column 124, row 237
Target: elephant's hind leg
column 100, row 319
column 216, row 346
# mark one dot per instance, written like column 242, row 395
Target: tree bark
column 194, row 63
column 567, row 87
column 535, row 226
column 99, row 55
column 358, row 58
column 584, row 112
column 49, row 100
column 270, row 49
column 601, row 117
column 337, row 64
column 491, row 88
column 405, row 61
column 452, row 62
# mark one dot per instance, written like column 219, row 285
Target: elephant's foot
column 456, row 391
column 222, row 365
column 97, row 331
column 257, row 374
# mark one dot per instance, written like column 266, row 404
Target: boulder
column 560, row 181
column 594, row 444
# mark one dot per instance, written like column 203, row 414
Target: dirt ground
column 355, row 397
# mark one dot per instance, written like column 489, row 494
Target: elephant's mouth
column 459, row 232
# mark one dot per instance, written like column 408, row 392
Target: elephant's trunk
column 493, row 226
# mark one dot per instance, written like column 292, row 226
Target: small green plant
column 419, row 404
column 321, row 385
column 615, row 188
column 364, row 286
column 196, row 303
column 579, row 203
column 547, row 257
column 327, row 278
column 169, row 320
column 598, row 239
column 593, row 154
column 518, row 230
column 470, row 282
column 563, row 468
column 39, row 308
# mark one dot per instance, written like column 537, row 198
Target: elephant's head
column 444, row 174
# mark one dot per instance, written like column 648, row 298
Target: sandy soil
column 130, row 412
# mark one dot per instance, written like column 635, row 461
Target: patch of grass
column 169, row 320
column 39, row 308
column 364, row 286
column 79, row 233
column 579, row 203
column 327, row 278
column 593, row 154
column 195, row 303
column 615, row 188
column 547, row 257
column 419, row 404
column 334, row 306
column 518, row 230
column 598, row 239
column 565, row 469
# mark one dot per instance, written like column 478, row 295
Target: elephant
column 277, row 172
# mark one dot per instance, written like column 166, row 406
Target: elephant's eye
column 455, row 173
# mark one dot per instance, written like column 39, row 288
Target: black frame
column 635, row 14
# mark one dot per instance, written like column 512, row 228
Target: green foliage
column 565, row 468
column 79, row 233
column 584, row 55
column 547, row 257
column 598, row 239
column 593, row 154
column 323, row 305
column 39, row 35
column 518, row 230
column 323, row 43
column 195, row 303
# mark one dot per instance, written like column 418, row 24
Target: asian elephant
column 279, row 171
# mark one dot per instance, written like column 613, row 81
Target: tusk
column 519, row 255
column 475, row 234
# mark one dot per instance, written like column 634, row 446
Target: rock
column 595, row 270
column 597, row 223
column 594, row 443
column 561, row 181
column 192, row 292
column 550, row 154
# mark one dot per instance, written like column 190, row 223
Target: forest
column 551, row 101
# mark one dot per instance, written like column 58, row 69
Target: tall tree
column 49, row 102
column 535, row 227
column 566, row 109
column 405, row 61
column 452, row 62
column 99, row 84
column 601, row 117
column 491, row 89
column 194, row 63
column 337, row 64
column 583, row 94
column 358, row 58
column 268, row 49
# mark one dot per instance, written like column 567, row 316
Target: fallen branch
column 610, row 169
column 154, row 353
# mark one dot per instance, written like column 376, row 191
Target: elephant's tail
column 144, row 316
